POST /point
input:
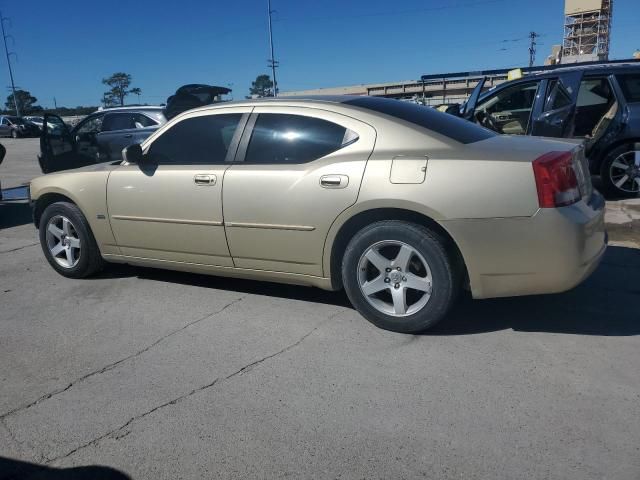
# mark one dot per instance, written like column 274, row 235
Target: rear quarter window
column 445, row 124
column 630, row 85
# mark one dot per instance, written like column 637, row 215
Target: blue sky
column 65, row 48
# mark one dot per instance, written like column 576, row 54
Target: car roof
column 131, row 107
column 597, row 68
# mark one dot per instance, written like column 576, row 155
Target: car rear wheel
column 399, row 276
column 620, row 171
column 67, row 241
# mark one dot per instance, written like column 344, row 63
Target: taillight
column 556, row 180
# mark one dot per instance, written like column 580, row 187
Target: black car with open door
column 103, row 135
column 98, row 138
column 597, row 103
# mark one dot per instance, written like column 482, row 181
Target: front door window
column 509, row 110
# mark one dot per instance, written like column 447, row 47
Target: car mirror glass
column 133, row 154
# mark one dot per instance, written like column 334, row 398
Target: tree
column 136, row 91
column 119, row 83
column 262, row 87
column 26, row 102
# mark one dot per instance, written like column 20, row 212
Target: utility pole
column 55, row 103
column 272, row 61
column 532, row 48
column 6, row 51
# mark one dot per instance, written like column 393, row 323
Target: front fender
column 88, row 190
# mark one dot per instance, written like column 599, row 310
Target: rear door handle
column 128, row 135
column 204, row 180
column 334, row 181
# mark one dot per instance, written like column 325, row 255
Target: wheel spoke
column 403, row 257
column 423, row 284
column 377, row 260
column 636, row 157
column 637, row 180
column 74, row 242
column 620, row 165
column 55, row 231
column 65, row 226
column 55, row 251
column 622, row 181
column 69, row 256
column 374, row 286
column 399, row 296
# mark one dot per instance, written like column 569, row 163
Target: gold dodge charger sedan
column 399, row 204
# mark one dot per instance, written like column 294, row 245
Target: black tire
column 89, row 260
column 444, row 272
column 608, row 183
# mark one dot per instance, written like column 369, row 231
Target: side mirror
column 133, row 154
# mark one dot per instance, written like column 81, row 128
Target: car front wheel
column 67, row 241
column 620, row 171
column 399, row 276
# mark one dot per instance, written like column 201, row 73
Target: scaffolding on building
column 587, row 28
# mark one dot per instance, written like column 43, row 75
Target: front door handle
column 128, row 135
column 334, row 181
column 204, row 179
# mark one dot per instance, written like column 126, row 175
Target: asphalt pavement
column 149, row 374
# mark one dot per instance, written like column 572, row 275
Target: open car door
column 555, row 112
column 57, row 148
column 470, row 106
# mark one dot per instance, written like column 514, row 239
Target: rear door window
column 141, row 121
column 117, row 121
column 630, row 85
column 288, row 139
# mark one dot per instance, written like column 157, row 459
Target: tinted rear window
column 443, row 123
column 630, row 85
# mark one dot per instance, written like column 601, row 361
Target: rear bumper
column 550, row 252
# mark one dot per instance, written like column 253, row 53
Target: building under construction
column 587, row 29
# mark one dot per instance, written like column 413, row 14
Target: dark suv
column 597, row 103
column 100, row 137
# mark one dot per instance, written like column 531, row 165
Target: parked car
column 597, row 103
column 17, row 127
column 100, row 137
column 37, row 121
column 399, row 204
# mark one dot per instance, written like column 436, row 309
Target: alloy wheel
column 63, row 241
column 394, row 278
column 625, row 172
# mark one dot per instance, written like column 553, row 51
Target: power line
column 6, row 51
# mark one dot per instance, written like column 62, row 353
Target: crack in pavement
column 113, row 365
column 19, row 248
column 176, row 400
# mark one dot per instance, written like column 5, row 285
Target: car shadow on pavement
column 19, row 470
column 606, row 304
column 14, row 213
